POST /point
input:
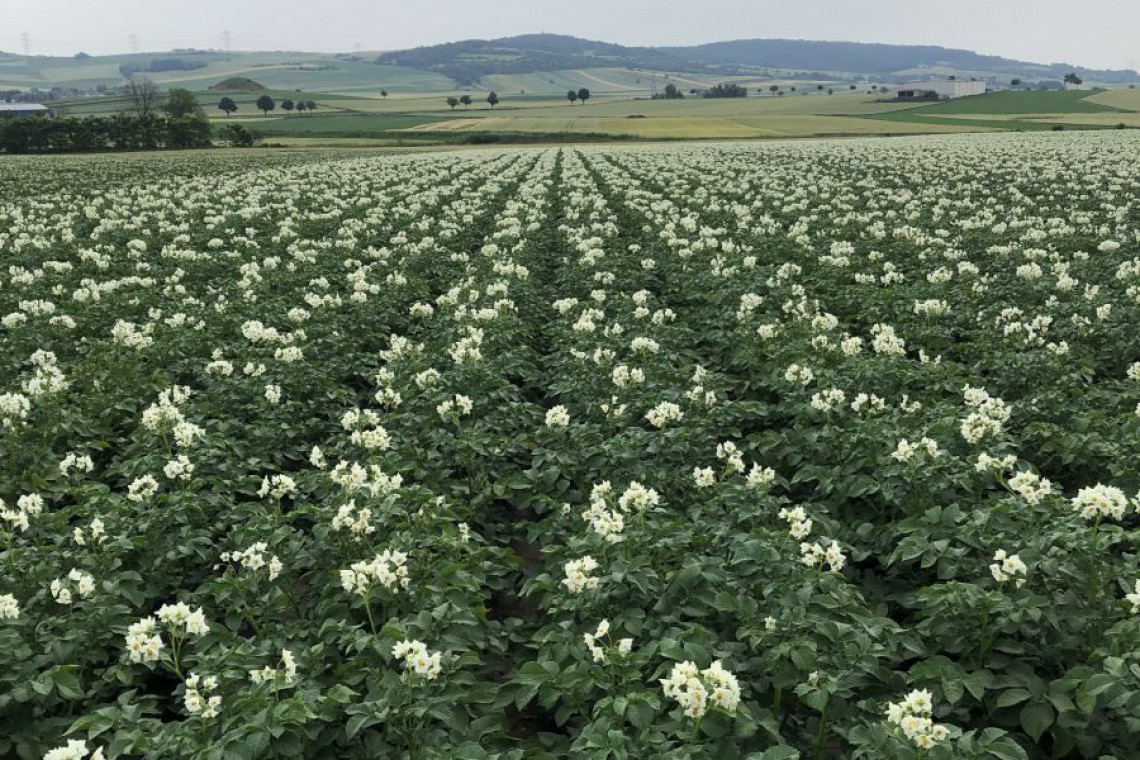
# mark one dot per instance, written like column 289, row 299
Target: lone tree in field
column 465, row 100
column 143, row 94
column 583, row 95
column 228, row 105
column 493, row 99
column 1073, row 79
column 453, row 102
column 310, row 105
column 288, row 105
column 1015, row 83
column 181, row 102
column 774, row 89
column 571, row 95
column 383, row 93
column 265, row 104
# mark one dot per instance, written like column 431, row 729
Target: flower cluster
column 911, row 718
column 94, row 534
column 27, row 506
column 1100, row 501
column 197, row 701
column 389, row 569
column 254, row 558
column 799, row 524
column 1030, row 486
column 78, row 581
column 277, row 487
column 366, row 430
column 418, row 660
column 695, row 689
column 663, row 414
column 357, row 521
column 602, row 651
column 9, row 607
column 814, row 555
column 75, row 463
column 75, row 749
column 455, row 407
column 141, row 489
column 906, row 450
column 1008, row 567
column 578, row 575
column 988, row 418
column 557, row 417
column 283, row 675
column 1133, row 599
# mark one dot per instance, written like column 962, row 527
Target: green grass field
column 423, row 115
column 1026, row 111
column 1016, row 103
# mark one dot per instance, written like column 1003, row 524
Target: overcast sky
column 1094, row 33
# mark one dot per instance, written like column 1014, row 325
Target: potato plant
column 760, row 452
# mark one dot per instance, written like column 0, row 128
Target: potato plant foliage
column 765, row 452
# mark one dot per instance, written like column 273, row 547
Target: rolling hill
column 893, row 61
column 534, row 64
column 471, row 60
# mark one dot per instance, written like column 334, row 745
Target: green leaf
column 1007, row 749
column 716, row 725
column 781, row 752
column 340, row 694
column 355, row 723
column 640, row 713
column 1012, row 697
column 1035, row 718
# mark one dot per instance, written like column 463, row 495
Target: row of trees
column 582, row 95
column 174, row 122
column 118, row 132
column 726, row 90
column 492, row 99
column 266, row 103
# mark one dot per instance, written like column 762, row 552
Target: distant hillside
column 876, row 59
column 536, row 63
column 469, row 60
column 238, row 84
column 277, row 70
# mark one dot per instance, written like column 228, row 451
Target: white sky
column 1093, row 33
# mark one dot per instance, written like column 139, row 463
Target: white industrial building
column 945, row 90
column 24, row 109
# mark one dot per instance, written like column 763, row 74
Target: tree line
column 175, row 122
column 492, row 100
column 267, row 103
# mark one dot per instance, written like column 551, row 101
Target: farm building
column 24, row 109
column 945, row 90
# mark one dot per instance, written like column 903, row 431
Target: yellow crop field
column 1129, row 99
column 693, row 127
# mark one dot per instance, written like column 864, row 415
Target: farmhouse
column 944, row 90
column 24, row 109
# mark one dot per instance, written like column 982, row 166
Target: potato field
column 722, row 451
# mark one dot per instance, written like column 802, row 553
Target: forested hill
column 468, row 60
column 874, row 59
